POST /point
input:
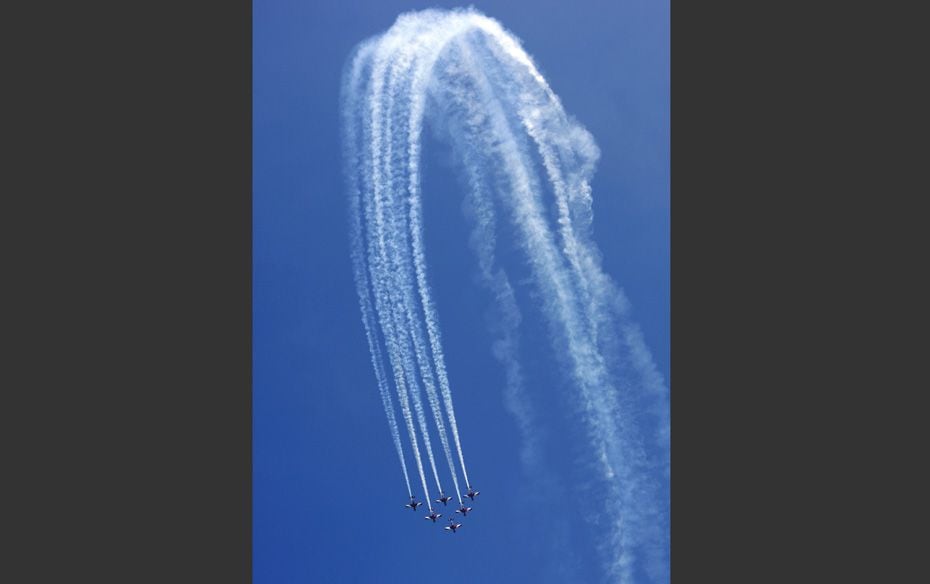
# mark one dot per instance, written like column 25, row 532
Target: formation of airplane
column 444, row 499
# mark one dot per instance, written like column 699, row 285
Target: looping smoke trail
column 378, row 266
column 394, row 260
column 463, row 69
column 402, row 270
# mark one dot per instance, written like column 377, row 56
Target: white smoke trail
column 377, row 250
column 483, row 242
column 393, row 257
column 612, row 436
column 565, row 146
column 361, row 276
column 401, row 268
column 478, row 74
column 417, row 96
column 568, row 154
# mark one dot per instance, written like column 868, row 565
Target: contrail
column 377, row 257
column 463, row 132
column 392, row 257
column 401, row 270
column 464, row 70
column 361, row 276
column 430, row 45
column 568, row 154
column 495, row 279
column 508, row 76
column 400, row 68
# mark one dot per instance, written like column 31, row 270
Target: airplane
column 413, row 504
column 472, row 493
column 463, row 510
column 443, row 498
column 433, row 515
column 452, row 525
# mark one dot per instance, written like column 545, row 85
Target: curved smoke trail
column 464, row 70
column 357, row 169
column 402, row 272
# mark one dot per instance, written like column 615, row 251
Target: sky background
column 328, row 491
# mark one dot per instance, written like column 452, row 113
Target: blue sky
column 328, row 492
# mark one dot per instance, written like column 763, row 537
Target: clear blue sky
column 328, row 491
